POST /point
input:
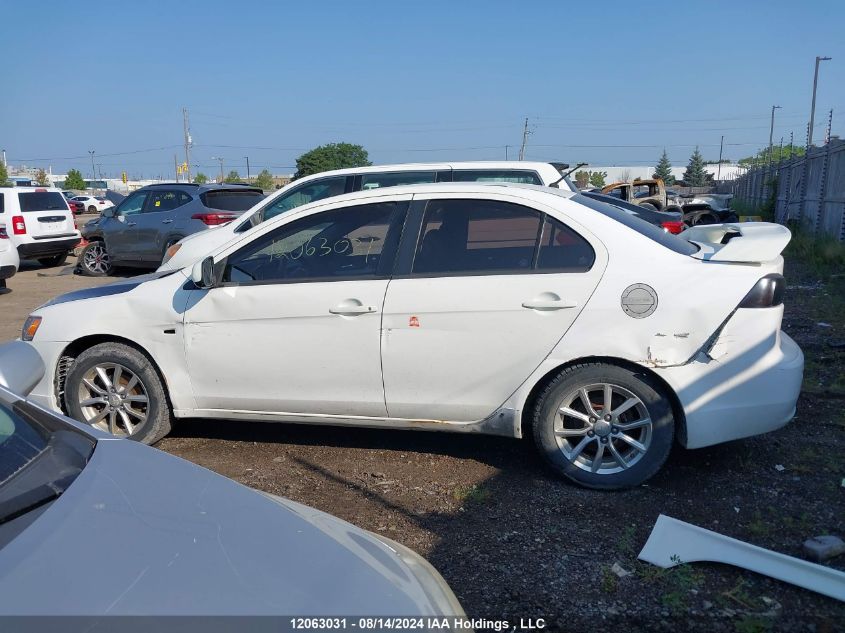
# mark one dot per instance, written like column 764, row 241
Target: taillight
column 673, row 226
column 214, row 219
column 18, row 225
column 766, row 293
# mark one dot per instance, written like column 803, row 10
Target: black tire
column 92, row 209
column 656, row 437
column 55, row 260
column 95, row 263
column 157, row 423
column 731, row 217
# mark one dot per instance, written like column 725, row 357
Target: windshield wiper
column 11, row 509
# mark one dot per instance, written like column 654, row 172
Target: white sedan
column 501, row 309
column 94, row 204
column 9, row 259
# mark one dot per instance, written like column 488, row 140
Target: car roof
column 200, row 188
column 35, row 188
column 479, row 164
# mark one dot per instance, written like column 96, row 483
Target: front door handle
column 548, row 301
column 166, row 221
column 351, row 307
column 131, row 224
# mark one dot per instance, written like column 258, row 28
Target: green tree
column 200, row 178
column 74, row 180
column 597, row 178
column 232, row 176
column 331, row 156
column 762, row 157
column 4, row 176
column 695, row 175
column 664, row 170
column 582, row 178
column 264, row 179
column 41, row 178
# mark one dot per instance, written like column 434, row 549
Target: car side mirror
column 202, row 274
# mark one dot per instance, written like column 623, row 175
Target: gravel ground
column 515, row 542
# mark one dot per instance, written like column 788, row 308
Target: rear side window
column 42, row 201
column 231, row 200
column 492, row 237
column 309, row 192
column 375, row 181
column 654, row 233
column 503, row 175
column 160, row 201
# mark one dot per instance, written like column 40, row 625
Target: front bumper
column 45, row 248
column 738, row 396
column 44, row 392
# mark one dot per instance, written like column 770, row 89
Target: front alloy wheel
column 604, row 426
column 95, row 260
column 117, row 389
column 113, row 399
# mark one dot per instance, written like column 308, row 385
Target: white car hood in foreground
column 142, row 532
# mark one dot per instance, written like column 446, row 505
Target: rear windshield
column 654, row 233
column 231, row 200
column 42, row 201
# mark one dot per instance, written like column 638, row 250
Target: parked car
column 76, row 207
column 9, row 259
column 41, row 223
column 333, row 183
column 650, row 193
column 158, row 536
column 670, row 221
column 467, row 307
column 139, row 230
column 93, row 204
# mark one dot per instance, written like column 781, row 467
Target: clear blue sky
column 418, row 81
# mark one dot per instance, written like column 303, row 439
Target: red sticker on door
column 413, row 322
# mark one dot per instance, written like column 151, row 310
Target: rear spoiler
column 749, row 242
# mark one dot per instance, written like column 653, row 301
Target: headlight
column 170, row 252
column 30, row 327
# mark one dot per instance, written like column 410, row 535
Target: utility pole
column 93, row 171
column 5, row 164
column 247, row 167
column 188, row 141
column 219, row 158
column 772, row 131
column 525, row 134
column 176, row 167
column 813, row 107
column 506, row 151
column 719, row 166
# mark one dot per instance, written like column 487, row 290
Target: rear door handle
column 131, row 224
column 546, row 303
column 351, row 307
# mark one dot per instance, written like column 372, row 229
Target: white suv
column 9, row 260
column 332, row 183
column 39, row 223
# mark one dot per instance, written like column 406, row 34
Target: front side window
column 375, row 181
column 492, row 237
column 133, row 204
column 504, row 175
column 160, row 201
column 310, row 192
column 349, row 243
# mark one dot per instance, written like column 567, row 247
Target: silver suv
column 139, row 230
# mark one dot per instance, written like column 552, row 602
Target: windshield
column 654, row 233
column 20, row 443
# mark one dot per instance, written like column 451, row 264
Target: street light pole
column 813, row 107
column 219, row 158
column 772, row 131
column 247, row 167
column 93, row 171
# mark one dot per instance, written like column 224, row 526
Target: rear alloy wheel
column 94, row 260
column 604, row 426
column 116, row 389
column 55, row 260
column 92, row 209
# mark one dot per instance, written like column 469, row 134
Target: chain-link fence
column 806, row 189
